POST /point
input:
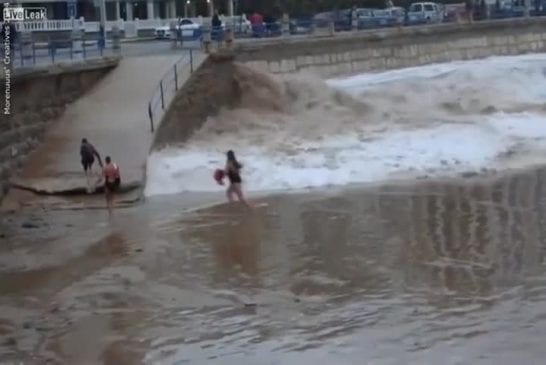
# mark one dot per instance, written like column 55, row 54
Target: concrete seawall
column 39, row 96
column 208, row 89
column 112, row 115
column 217, row 83
column 351, row 53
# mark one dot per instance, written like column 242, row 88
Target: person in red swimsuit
column 112, row 180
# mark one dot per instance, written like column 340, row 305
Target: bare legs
column 229, row 193
column 109, row 195
column 238, row 191
column 88, row 174
column 92, row 179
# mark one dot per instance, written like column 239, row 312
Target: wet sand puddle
column 434, row 272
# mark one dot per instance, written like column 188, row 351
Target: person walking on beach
column 88, row 154
column 112, row 180
column 233, row 173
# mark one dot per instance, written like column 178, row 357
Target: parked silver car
column 426, row 12
column 187, row 27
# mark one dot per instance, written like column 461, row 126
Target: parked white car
column 419, row 13
column 187, row 26
column 238, row 23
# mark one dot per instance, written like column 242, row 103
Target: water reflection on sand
column 433, row 272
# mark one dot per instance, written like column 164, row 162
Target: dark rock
column 29, row 225
column 297, row 300
column 248, row 305
column 138, row 250
column 5, row 172
column 469, row 174
column 34, row 142
column 19, row 161
column 489, row 110
column 10, row 342
column 30, row 117
column 6, row 153
column 27, row 325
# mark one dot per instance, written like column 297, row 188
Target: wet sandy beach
column 423, row 273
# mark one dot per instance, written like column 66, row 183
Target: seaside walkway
column 113, row 117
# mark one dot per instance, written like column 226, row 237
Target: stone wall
column 39, row 96
column 208, row 89
column 351, row 53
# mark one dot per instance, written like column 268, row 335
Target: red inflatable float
column 219, row 175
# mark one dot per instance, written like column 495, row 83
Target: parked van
column 377, row 18
column 421, row 13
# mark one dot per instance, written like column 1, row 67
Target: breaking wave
column 298, row 132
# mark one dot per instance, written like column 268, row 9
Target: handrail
column 164, row 91
column 27, row 52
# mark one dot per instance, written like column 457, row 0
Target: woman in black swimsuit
column 233, row 168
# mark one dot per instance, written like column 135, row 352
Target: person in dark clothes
column 88, row 154
column 233, row 173
column 216, row 22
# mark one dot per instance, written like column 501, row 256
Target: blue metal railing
column 25, row 53
column 334, row 22
column 167, row 88
column 308, row 25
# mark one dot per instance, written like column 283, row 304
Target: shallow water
column 425, row 273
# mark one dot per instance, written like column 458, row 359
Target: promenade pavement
column 112, row 116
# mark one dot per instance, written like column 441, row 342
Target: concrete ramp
column 113, row 116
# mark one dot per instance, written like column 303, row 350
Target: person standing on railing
column 257, row 23
column 270, row 25
column 179, row 32
column 216, row 23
